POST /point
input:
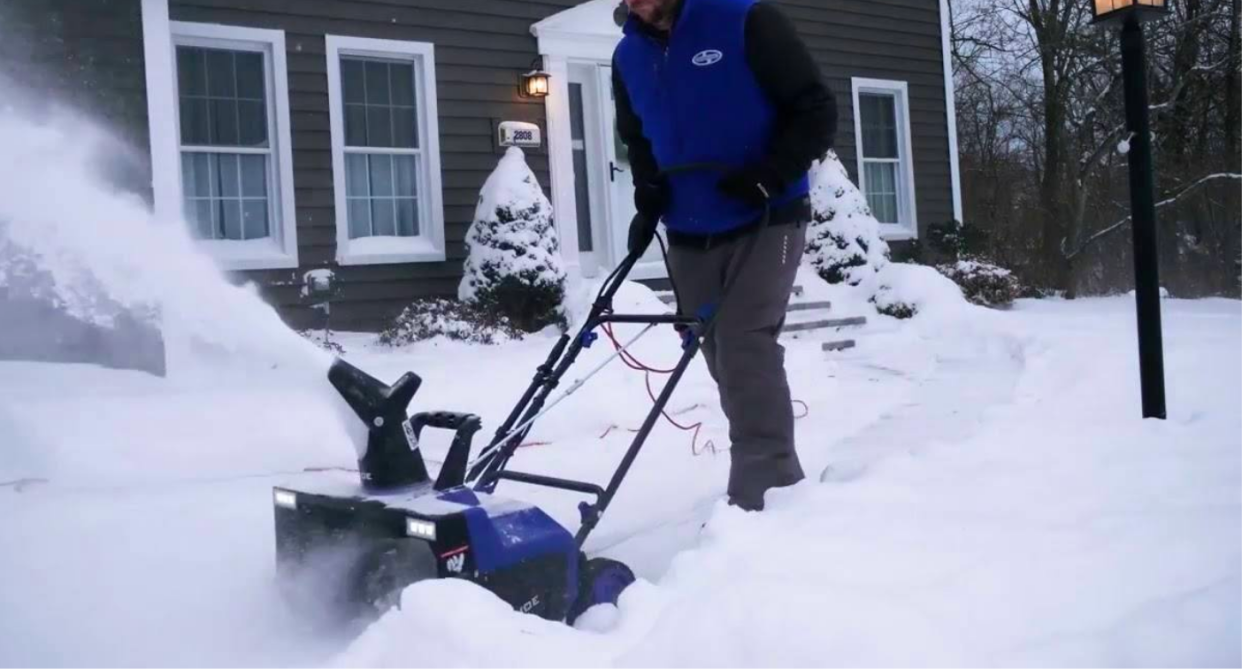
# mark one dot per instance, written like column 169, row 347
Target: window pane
column 383, row 217
column 407, row 217
column 879, row 125
column 207, row 222
column 223, row 122
column 404, row 122
column 221, row 79
column 359, row 218
column 254, row 213
column 381, row 176
column 406, row 184
column 355, row 125
column 352, row 81
column 377, row 83
column 253, row 119
column 401, row 78
column 254, row 176
column 379, row 126
column 356, row 178
column 194, row 179
column 230, row 177
column 191, row 71
column 195, row 122
column 882, row 191
column 249, row 75
column 576, row 123
column 230, row 216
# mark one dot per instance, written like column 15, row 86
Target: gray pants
column 743, row 354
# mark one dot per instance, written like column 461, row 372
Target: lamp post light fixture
column 1130, row 15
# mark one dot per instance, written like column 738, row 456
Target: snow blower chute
column 359, row 543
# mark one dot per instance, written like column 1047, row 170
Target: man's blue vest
column 699, row 101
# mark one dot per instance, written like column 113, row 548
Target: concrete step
column 840, row 345
column 826, row 323
column 809, row 306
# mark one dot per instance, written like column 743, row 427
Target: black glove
column 752, row 184
column 642, row 232
column 651, row 198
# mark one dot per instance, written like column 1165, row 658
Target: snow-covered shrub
column 904, row 290
column 983, row 283
column 439, row 317
column 843, row 241
column 514, row 268
column 966, row 261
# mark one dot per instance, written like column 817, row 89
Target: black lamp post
column 1130, row 15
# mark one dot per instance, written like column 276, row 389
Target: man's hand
column 752, row 184
column 642, row 232
column 651, row 198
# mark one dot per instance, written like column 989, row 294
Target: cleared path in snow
column 948, row 397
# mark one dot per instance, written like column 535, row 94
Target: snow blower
column 358, row 544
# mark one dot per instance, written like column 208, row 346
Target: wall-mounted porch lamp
column 534, row 84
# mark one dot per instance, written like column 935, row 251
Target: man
column 727, row 82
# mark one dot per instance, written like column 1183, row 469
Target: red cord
column 636, row 364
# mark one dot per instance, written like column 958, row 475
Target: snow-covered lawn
column 991, row 498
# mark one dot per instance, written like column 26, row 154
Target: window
column 385, row 151
column 885, row 168
column 233, row 143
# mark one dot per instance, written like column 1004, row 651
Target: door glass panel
column 582, row 187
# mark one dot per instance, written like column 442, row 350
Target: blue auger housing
column 348, row 545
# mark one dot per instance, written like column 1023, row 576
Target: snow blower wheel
column 600, row 581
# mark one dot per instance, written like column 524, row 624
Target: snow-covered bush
column 843, row 241
column 904, row 290
column 983, row 283
column 439, row 317
column 514, row 268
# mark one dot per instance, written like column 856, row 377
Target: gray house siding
column 58, row 52
column 481, row 46
column 887, row 39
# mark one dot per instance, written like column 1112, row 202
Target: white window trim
column 908, row 228
column 163, row 97
column 429, row 245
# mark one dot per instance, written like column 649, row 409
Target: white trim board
column 426, row 247
column 161, row 86
column 909, row 227
column 950, row 106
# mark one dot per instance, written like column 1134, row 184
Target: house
column 293, row 135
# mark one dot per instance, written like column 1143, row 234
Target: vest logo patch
column 707, row 57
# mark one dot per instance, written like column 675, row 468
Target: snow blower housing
column 359, row 541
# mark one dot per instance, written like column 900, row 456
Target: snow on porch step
column 825, row 323
column 668, row 297
column 809, row 306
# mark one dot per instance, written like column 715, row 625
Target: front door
column 621, row 187
column 603, row 182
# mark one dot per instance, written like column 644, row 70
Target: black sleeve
column 630, row 128
column 806, row 108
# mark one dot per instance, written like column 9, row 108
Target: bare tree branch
column 1164, row 203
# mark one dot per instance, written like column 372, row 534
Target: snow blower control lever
column 360, row 542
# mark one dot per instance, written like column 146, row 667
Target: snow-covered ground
column 989, row 495
column 991, row 498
